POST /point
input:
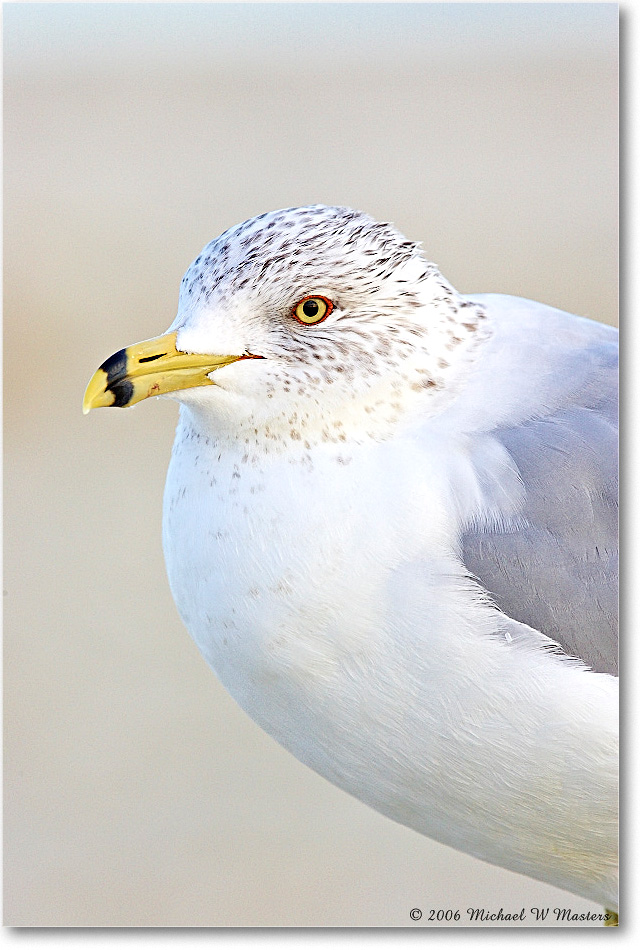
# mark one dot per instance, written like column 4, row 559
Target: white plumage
column 390, row 536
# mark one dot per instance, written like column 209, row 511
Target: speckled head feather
column 396, row 324
column 326, row 242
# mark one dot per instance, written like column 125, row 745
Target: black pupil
column 310, row 308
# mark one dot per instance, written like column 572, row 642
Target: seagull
column 390, row 525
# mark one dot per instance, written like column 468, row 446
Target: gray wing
column 557, row 571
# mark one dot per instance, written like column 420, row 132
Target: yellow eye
column 312, row 310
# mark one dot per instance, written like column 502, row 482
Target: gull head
column 319, row 311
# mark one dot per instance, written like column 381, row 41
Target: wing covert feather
column 554, row 567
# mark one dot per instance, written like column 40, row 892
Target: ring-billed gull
column 390, row 526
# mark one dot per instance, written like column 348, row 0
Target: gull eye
column 312, row 310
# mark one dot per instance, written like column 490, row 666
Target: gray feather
column 554, row 565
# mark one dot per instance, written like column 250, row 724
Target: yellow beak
column 151, row 368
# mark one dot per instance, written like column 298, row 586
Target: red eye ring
column 312, row 309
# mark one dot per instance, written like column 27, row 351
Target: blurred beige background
column 136, row 792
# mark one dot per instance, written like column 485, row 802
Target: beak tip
column 97, row 392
